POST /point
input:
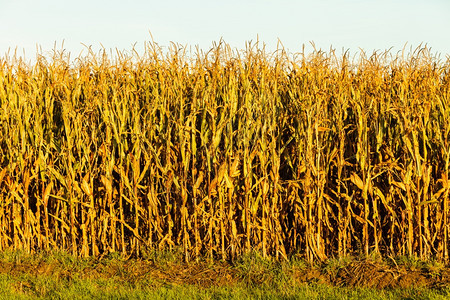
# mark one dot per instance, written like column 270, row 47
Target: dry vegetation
column 226, row 152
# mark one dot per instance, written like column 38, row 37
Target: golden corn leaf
column 357, row 181
column 400, row 185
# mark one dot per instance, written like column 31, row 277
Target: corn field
column 224, row 152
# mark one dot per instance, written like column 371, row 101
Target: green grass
column 48, row 287
column 58, row 275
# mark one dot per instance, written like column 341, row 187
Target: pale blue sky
column 349, row 24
